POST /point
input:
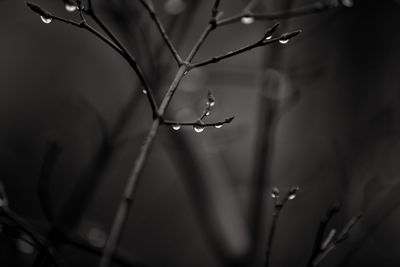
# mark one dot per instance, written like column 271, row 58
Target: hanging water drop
column 268, row 37
column 144, row 91
column 247, row 20
column 275, row 192
column 218, row 126
column 198, row 128
column 210, row 102
column 176, row 127
column 283, row 41
column 208, row 113
column 70, row 7
column 292, row 193
column 46, row 20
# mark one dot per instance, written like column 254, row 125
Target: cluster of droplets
column 290, row 196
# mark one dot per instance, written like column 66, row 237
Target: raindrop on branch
column 70, row 7
column 176, row 127
column 284, row 41
column 144, row 91
column 218, row 126
column 275, row 192
column 46, row 20
column 247, row 20
column 292, row 193
column 198, row 128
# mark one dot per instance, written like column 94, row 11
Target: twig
column 332, row 210
column 199, row 124
column 162, row 31
column 341, row 237
column 278, row 206
column 262, row 42
column 296, row 12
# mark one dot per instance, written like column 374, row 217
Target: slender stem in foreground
column 343, row 235
column 333, row 209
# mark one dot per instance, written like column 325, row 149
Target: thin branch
column 278, row 206
column 84, row 25
column 262, row 42
column 217, row 124
column 344, row 234
column 162, row 31
column 295, row 12
column 332, row 210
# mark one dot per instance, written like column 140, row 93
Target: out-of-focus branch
column 314, row 8
column 344, row 234
column 52, row 152
column 332, row 210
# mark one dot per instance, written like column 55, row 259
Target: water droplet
column 292, row 192
column 218, row 126
column 96, row 237
column 176, row 127
column 24, row 246
column 144, row 91
column 268, row 37
column 348, row 3
column 46, row 20
column 284, row 41
column 247, row 20
column 70, row 7
column 207, row 113
column 198, row 128
column 210, row 102
column 275, row 192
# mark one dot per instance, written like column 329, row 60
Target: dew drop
column 247, row 20
column 207, row 113
column 176, row 127
column 284, row 41
column 268, row 37
column 348, row 3
column 292, row 193
column 144, row 91
column 46, row 20
column 211, row 103
column 198, row 128
column 275, row 192
column 218, row 126
column 70, row 7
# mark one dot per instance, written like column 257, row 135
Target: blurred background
column 325, row 106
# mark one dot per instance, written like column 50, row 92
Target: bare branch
column 340, row 238
column 278, row 206
column 162, row 31
column 262, row 42
column 295, row 12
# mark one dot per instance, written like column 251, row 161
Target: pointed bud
column 38, row 10
column 289, row 35
column 270, row 31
